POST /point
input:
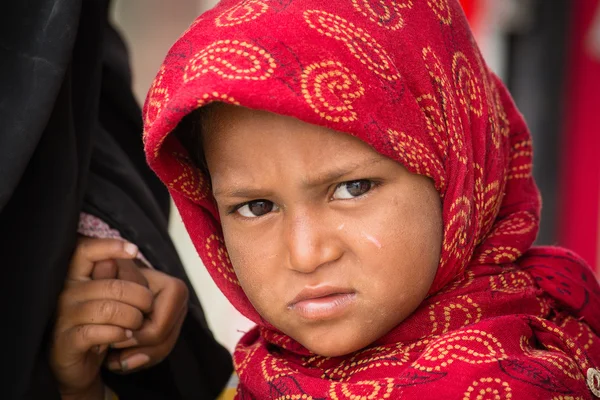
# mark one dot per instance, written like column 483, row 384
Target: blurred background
column 546, row 51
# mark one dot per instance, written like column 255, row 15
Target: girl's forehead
column 225, row 122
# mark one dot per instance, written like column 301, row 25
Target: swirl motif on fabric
column 468, row 84
column 385, row 13
column 511, row 281
column 488, row 200
column 362, row 45
column 158, row 96
column 578, row 358
column 584, row 334
column 415, row 154
column 553, row 356
column 231, row 59
column 434, row 119
column 242, row 357
column 446, row 314
column 441, row 9
column 329, row 89
column 449, row 107
column 499, row 255
column 190, row 182
column 519, row 223
column 217, row 254
column 245, row 11
column 522, row 151
column 455, row 243
column 367, row 390
column 499, row 124
column 274, row 368
column 375, row 357
column 488, row 389
column 216, row 96
column 283, row 341
column 470, row 346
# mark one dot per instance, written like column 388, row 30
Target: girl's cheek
column 372, row 239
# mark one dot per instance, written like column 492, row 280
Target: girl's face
column 333, row 243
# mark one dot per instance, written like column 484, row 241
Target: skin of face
column 333, row 243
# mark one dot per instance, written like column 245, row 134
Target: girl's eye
column 256, row 208
column 352, row 189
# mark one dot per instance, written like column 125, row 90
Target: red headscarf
column 503, row 319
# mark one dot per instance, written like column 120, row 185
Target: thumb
column 128, row 270
column 91, row 250
column 105, row 269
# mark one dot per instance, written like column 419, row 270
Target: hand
column 92, row 314
column 123, row 269
column 153, row 342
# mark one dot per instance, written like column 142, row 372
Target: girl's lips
column 323, row 302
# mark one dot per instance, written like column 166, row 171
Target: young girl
column 358, row 183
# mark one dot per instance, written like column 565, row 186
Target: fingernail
column 128, row 333
column 135, row 361
column 130, row 249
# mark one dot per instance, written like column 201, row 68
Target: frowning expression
column 333, row 243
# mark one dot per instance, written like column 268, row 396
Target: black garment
column 70, row 140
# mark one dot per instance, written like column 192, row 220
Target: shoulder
column 515, row 360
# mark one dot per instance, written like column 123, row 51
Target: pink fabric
column 94, row 227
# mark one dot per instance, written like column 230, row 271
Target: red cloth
column 580, row 173
column 503, row 319
column 477, row 14
column 471, row 9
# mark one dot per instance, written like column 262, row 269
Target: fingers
column 171, row 297
column 104, row 312
column 151, row 335
column 105, row 269
column 132, row 359
column 71, row 347
column 82, row 338
column 126, row 292
column 91, row 250
column 128, row 270
column 122, row 304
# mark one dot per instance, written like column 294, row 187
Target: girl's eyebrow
column 339, row 172
column 320, row 179
column 241, row 193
